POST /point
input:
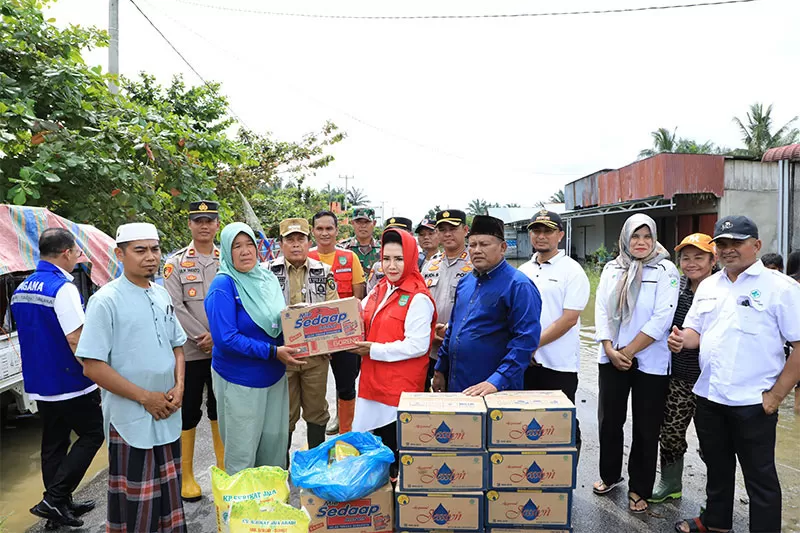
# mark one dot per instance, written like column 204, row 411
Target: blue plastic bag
column 349, row 479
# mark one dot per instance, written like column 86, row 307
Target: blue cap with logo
column 736, row 227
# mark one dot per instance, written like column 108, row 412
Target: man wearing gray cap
column 740, row 319
column 132, row 347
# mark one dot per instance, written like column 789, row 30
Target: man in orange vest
column 349, row 276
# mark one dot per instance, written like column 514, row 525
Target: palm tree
column 757, row 135
column 511, row 205
column 478, row 206
column 557, row 197
column 663, row 141
column 357, row 197
column 431, row 214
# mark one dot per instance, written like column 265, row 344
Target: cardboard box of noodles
column 529, row 508
column 528, row 419
column 325, row 327
column 533, row 468
column 442, row 471
column 441, row 421
column 372, row 514
column 435, row 511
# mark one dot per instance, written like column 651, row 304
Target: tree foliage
column 431, row 214
column 757, row 134
column 357, row 197
column 68, row 144
column 665, row 141
column 557, row 197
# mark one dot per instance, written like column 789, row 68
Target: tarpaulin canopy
column 20, row 227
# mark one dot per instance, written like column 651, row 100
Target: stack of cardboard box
column 532, row 461
column 443, row 463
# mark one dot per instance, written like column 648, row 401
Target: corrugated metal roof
column 781, row 153
column 661, row 175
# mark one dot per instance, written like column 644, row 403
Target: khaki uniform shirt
column 187, row 276
column 442, row 276
column 311, row 283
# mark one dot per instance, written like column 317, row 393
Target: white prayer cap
column 136, row 231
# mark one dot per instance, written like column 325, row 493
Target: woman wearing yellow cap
column 698, row 260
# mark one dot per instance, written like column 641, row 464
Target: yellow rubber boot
column 190, row 490
column 219, row 447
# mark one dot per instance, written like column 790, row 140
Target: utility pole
column 346, row 180
column 113, row 45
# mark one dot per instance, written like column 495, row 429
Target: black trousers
column 345, row 366
column 541, row 378
column 649, row 398
column 388, row 434
column 197, row 378
column 748, row 433
column 429, row 378
column 63, row 466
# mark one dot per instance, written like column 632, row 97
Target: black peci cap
column 486, row 225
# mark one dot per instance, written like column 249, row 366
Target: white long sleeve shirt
column 652, row 314
column 417, row 326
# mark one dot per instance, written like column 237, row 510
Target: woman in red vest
column 399, row 318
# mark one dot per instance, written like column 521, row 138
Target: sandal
column 695, row 526
column 600, row 488
column 633, row 501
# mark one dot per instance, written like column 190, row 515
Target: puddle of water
column 20, row 471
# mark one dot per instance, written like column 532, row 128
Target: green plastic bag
column 262, row 484
column 250, row 516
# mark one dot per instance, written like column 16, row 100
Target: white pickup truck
column 11, row 385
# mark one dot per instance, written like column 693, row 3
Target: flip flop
column 635, row 501
column 695, row 526
column 607, row 488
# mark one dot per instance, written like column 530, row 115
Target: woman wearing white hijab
column 635, row 303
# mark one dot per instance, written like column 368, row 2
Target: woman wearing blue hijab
column 248, row 361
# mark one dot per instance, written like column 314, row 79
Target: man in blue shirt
column 132, row 347
column 49, row 314
column 494, row 328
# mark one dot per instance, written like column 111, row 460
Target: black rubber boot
column 316, row 435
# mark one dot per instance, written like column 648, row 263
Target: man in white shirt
column 564, row 288
column 740, row 319
column 48, row 311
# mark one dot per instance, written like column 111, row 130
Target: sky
column 439, row 112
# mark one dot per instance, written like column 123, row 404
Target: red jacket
column 342, row 269
column 383, row 381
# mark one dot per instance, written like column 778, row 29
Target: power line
column 230, row 109
column 389, row 133
column 450, row 17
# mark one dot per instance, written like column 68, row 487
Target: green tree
column 665, row 141
column 758, row 135
column 511, row 205
column 68, row 144
column 557, row 197
column 431, row 214
column 356, row 197
column 478, row 206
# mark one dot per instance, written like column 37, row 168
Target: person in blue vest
column 48, row 311
column 494, row 327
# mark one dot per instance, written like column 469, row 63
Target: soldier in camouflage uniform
column 364, row 244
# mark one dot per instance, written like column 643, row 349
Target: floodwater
column 21, row 482
column 20, row 471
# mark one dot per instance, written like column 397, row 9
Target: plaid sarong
column 144, row 488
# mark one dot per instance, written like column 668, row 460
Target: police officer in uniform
column 376, row 274
column 445, row 269
column 364, row 244
column 187, row 277
column 310, row 281
column 428, row 239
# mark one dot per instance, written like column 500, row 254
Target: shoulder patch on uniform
column 673, row 282
column 168, row 268
column 331, row 284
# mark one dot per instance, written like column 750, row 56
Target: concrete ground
column 590, row 513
